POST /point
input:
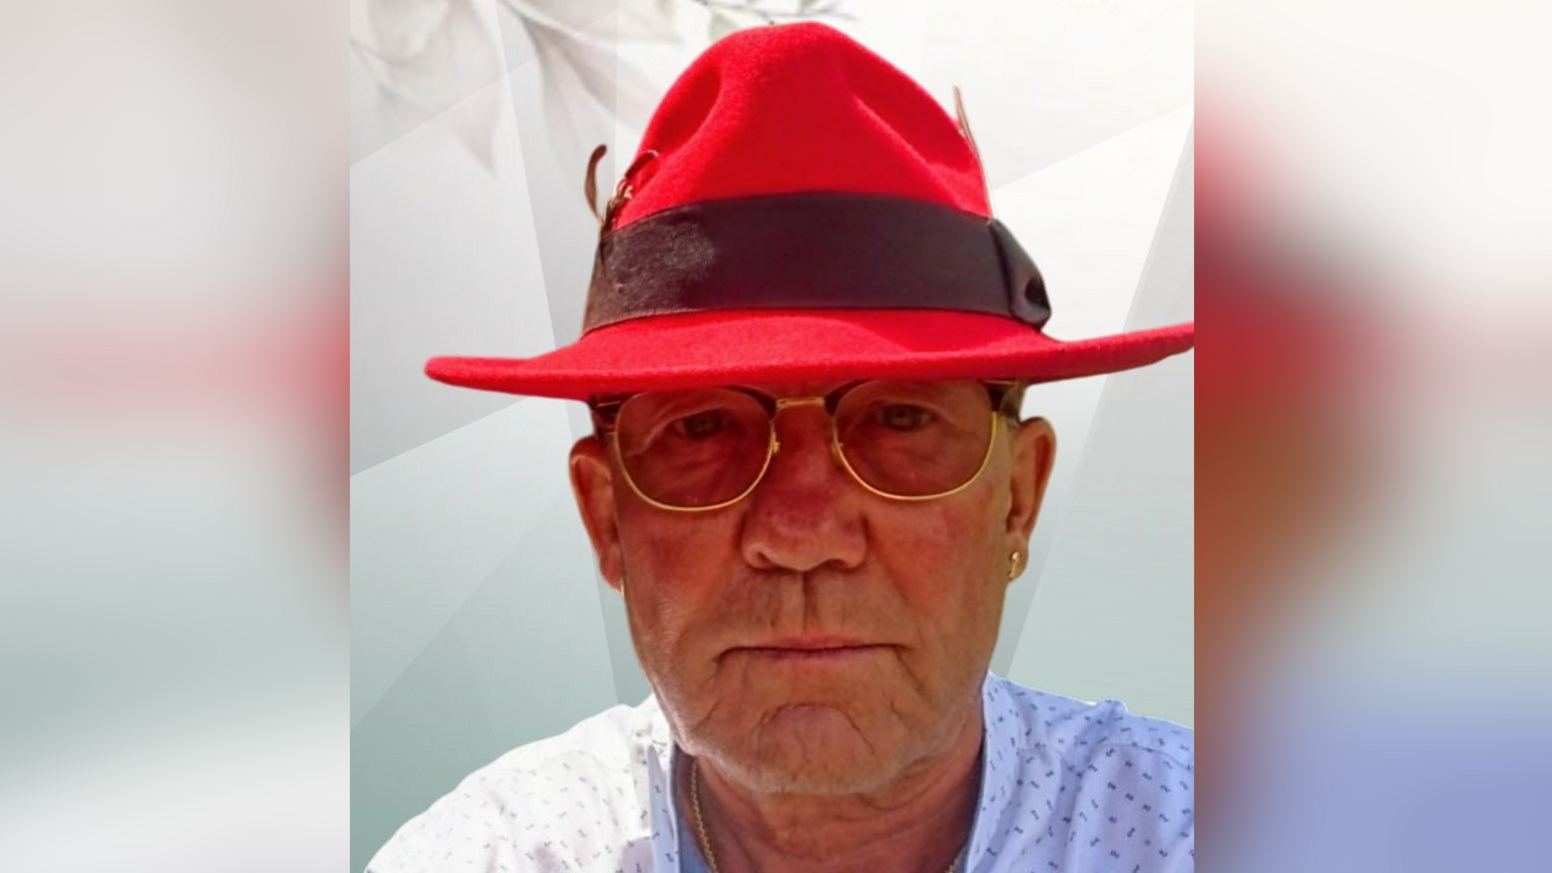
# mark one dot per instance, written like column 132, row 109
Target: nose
column 806, row 513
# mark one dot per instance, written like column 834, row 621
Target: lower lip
column 839, row 653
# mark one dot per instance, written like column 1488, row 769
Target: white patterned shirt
column 1065, row 786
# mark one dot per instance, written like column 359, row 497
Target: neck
column 917, row 824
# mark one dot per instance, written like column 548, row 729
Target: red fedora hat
column 801, row 210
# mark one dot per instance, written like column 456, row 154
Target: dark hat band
column 813, row 250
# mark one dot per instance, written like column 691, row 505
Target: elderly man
column 805, row 349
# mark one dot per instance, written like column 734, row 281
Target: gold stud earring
column 1013, row 560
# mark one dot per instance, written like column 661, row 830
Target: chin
column 811, row 749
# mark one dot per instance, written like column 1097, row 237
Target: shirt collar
column 660, row 756
column 999, row 757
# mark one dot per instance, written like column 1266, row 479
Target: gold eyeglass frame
column 1000, row 392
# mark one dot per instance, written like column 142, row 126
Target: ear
column 1034, row 454
column 592, row 483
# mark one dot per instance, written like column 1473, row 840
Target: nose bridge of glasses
column 789, row 402
column 784, row 402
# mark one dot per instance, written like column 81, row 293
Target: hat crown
column 787, row 108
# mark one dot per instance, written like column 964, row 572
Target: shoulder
column 569, row 801
column 1079, row 729
column 1095, row 775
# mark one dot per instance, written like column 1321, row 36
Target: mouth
column 812, row 649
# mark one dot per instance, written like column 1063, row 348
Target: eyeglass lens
column 707, row 446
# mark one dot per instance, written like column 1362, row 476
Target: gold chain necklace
column 704, row 841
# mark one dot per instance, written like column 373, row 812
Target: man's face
column 815, row 637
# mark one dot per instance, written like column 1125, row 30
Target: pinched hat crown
column 795, row 108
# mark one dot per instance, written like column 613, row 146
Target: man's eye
column 900, row 416
column 702, row 424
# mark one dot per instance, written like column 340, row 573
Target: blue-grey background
column 478, row 619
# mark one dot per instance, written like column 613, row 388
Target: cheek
column 944, row 563
column 675, row 569
column 956, row 538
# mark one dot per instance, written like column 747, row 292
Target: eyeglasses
column 707, row 448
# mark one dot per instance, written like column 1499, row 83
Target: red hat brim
column 755, row 347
